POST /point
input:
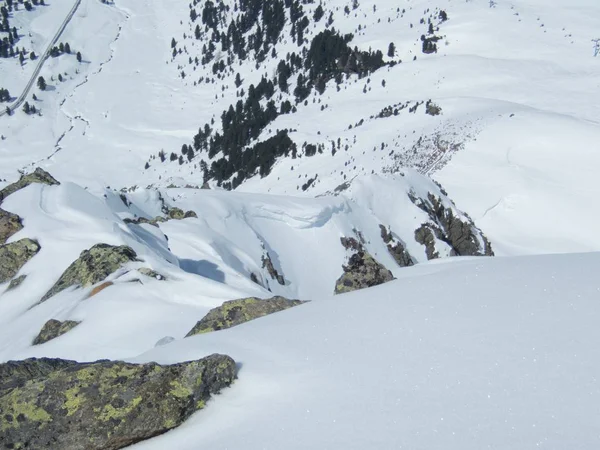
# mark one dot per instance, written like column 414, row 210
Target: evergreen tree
column 391, row 50
column 67, row 48
column 79, row 56
column 26, row 108
column 41, row 83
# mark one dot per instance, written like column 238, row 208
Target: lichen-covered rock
column 235, row 312
column 152, row 273
column 176, row 213
column 92, row 266
column 15, row 255
column 37, row 176
column 16, row 282
column 53, row 329
column 361, row 272
column 108, row 405
column 9, row 224
column 191, row 214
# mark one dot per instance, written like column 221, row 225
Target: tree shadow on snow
column 203, row 268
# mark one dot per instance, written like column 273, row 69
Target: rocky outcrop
column 37, row 176
column 108, row 405
column 92, row 266
column 15, row 255
column 267, row 263
column 425, row 235
column 396, row 248
column 235, row 312
column 362, row 270
column 172, row 214
column 152, row 274
column 9, row 224
column 458, row 231
column 53, row 329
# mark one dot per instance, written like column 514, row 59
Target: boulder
column 235, row 312
column 37, row 176
column 53, row 329
column 15, row 255
column 56, row 404
column 176, row 213
column 9, row 224
column 361, row 272
column 92, row 266
column 191, row 214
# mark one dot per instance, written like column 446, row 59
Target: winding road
column 41, row 60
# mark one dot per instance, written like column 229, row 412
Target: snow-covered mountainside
column 390, row 183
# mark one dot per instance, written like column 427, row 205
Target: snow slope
column 515, row 144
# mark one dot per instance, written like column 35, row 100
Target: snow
column 459, row 353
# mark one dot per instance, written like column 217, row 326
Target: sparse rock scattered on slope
column 396, row 248
column 53, row 329
column 15, row 255
column 16, row 282
column 9, row 224
column 108, row 405
column 362, row 270
column 92, row 266
column 235, row 312
column 151, row 273
column 172, row 213
column 37, row 176
column 460, row 234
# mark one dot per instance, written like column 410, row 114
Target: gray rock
column 425, row 235
column 108, row 405
column 92, row 266
column 16, row 282
column 164, row 341
column 396, row 248
column 361, row 272
column 53, row 329
column 235, row 312
column 15, row 255
column 9, row 224
column 176, row 213
column 267, row 263
column 460, row 234
column 152, row 273
column 37, row 176
column 191, row 214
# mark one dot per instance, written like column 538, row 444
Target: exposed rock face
column 108, row 405
column 92, row 266
column 235, row 312
column 53, row 329
column 37, row 176
column 361, row 272
column 460, row 234
column 13, row 256
column 267, row 263
column 396, row 248
column 425, row 235
column 9, row 224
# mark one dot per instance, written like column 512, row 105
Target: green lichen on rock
column 362, row 270
column 151, row 273
column 15, row 255
column 9, row 224
column 52, row 403
column 37, row 176
column 176, row 213
column 53, row 329
column 235, row 312
column 92, row 266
